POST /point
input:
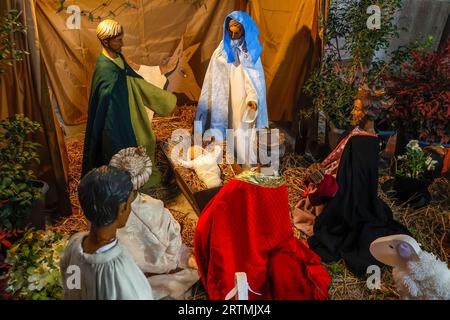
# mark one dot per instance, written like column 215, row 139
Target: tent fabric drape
column 291, row 49
column 152, row 33
column 18, row 90
column 20, row 93
column 289, row 34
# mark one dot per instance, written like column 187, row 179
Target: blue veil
column 254, row 47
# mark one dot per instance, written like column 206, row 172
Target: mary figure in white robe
column 234, row 85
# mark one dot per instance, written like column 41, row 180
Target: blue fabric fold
column 252, row 44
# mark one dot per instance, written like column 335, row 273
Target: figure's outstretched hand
column 252, row 105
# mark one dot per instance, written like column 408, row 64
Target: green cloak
column 117, row 118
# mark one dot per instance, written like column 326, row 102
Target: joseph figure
column 117, row 116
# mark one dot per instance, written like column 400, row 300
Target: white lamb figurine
column 418, row 275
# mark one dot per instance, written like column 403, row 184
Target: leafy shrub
column 17, row 154
column 34, row 260
column 419, row 92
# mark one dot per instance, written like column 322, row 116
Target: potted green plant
column 413, row 174
column 19, row 191
column 350, row 48
column 34, row 272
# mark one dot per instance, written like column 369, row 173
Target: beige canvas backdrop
column 289, row 34
column 24, row 90
column 152, row 33
column 292, row 46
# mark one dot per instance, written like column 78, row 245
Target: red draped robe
column 247, row 228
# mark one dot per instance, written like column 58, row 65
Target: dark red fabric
column 247, row 228
column 326, row 190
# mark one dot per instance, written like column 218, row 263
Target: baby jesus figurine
column 205, row 164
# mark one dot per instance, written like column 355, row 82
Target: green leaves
column 10, row 26
column 34, row 260
column 415, row 163
column 334, row 86
column 17, row 154
column 333, row 95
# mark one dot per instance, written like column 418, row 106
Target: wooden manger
column 196, row 192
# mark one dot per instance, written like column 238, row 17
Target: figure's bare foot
column 192, row 263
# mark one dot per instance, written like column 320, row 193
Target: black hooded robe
column 356, row 216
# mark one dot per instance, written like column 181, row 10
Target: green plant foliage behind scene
column 334, row 85
column 10, row 25
column 17, row 154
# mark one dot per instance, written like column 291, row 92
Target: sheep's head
column 395, row 250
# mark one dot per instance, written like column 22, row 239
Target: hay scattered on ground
column 295, row 169
column 429, row 225
column 182, row 118
column 187, row 225
column 76, row 222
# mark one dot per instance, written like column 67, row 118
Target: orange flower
column 358, row 103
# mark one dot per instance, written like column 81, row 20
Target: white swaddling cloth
column 206, row 168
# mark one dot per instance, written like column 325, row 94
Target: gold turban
column 136, row 162
column 108, row 29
